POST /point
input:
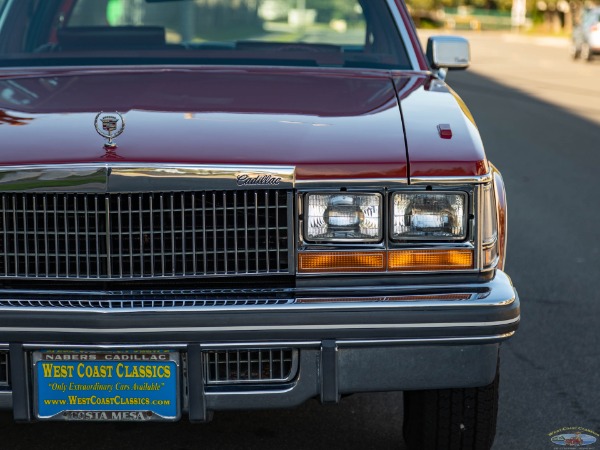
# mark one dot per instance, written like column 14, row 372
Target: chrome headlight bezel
column 316, row 239
column 463, row 216
column 489, row 227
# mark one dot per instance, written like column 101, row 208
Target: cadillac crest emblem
column 109, row 127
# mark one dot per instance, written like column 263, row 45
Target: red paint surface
column 327, row 123
column 428, row 103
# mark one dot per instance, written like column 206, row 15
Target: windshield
column 330, row 33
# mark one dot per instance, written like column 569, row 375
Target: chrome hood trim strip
column 115, row 177
column 475, row 179
column 128, row 177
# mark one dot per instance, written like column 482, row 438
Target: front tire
column 451, row 419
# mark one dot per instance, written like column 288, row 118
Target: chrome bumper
column 344, row 347
column 489, row 309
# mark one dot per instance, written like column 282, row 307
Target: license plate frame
column 107, row 385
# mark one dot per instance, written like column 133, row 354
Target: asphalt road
column 539, row 114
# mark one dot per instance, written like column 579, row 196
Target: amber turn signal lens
column 341, row 262
column 426, row 260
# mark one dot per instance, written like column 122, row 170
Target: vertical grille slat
column 119, row 236
column 235, row 233
column 97, row 235
column 145, row 235
column 15, row 235
column 246, row 246
column 36, row 259
column 256, row 228
column 277, row 235
column 67, row 239
column 3, row 244
column 183, row 235
column 214, row 234
column 57, row 264
column 87, row 235
column 194, row 259
column 172, row 227
column 47, row 251
column 225, row 230
column 25, row 233
column 227, row 364
column 152, row 260
column 267, row 256
column 142, row 244
column 204, row 248
column 76, row 221
column 107, row 239
column 162, row 234
column 130, row 235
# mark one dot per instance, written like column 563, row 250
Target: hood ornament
column 108, row 127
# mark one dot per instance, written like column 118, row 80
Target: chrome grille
column 146, row 235
column 251, row 366
column 143, row 299
column 4, row 375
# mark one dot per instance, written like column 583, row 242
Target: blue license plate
column 107, row 386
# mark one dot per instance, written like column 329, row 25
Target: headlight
column 343, row 217
column 428, row 215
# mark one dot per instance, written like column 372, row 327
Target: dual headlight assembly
column 412, row 220
column 415, row 216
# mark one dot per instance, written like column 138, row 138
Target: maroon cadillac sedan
column 209, row 205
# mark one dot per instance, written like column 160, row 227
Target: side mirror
column 448, row 52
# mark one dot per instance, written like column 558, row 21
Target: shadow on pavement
column 549, row 158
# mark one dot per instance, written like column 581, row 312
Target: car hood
column 324, row 123
column 428, row 105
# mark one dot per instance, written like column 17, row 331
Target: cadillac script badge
column 109, row 127
column 257, row 180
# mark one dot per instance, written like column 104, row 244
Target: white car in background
column 586, row 36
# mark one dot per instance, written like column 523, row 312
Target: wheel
column 451, row 419
column 586, row 52
column 575, row 51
